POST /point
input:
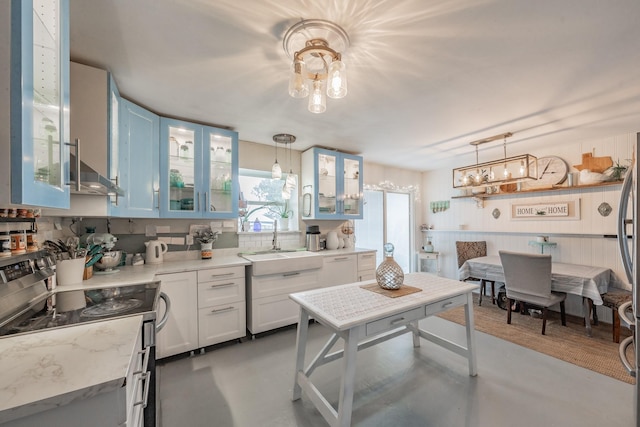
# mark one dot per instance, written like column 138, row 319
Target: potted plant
column 206, row 239
column 283, row 213
column 617, row 171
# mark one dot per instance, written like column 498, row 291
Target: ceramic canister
column 332, row 240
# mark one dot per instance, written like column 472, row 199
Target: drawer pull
column 341, row 258
column 222, row 309
column 396, row 321
column 223, row 285
column 367, row 256
column 446, row 304
column 295, row 273
column 223, row 274
column 145, row 362
column 145, row 396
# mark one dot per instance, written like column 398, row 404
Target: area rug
column 598, row 353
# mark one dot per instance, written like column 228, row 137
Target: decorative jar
column 389, row 274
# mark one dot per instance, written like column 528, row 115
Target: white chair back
column 527, row 273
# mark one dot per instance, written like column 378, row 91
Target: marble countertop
column 52, row 368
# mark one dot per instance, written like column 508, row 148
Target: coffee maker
column 313, row 238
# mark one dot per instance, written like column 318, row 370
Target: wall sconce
column 500, row 171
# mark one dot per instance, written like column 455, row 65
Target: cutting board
column 594, row 164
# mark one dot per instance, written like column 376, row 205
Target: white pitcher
column 155, row 251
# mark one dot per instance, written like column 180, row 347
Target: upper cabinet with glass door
column 39, row 116
column 198, row 171
column 334, row 181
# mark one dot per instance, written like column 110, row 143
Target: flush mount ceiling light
column 290, row 182
column 315, row 47
column 501, row 171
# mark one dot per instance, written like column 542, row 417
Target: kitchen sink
column 287, row 261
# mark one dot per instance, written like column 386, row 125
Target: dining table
column 587, row 281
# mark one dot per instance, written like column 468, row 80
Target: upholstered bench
column 614, row 298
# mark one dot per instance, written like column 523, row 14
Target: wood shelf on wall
column 538, row 190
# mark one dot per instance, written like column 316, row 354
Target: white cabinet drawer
column 443, row 305
column 220, row 292
column 221, row 323
column 225, row 273
column 395, row 321
column 367, row 261
column 284, row 283
column 339, row 270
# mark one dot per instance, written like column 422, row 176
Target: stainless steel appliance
column 628, row 245
column 28, row 304
column 313, row 238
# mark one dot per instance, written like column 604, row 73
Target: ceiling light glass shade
column 298, row 85
column 276, row 170
column 317, row 99
column 515, row 169
column 337, row 80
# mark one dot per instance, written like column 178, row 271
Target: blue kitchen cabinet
column 39, row 105
column 134, row 159
column 198, row 171
column 331, row 185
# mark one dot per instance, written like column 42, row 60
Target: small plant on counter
column 207, row 236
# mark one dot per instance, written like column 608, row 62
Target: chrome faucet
column 274, row 242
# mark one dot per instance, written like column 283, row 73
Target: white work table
column 363, row 318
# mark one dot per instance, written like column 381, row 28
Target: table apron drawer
column 392, row 322
column 446, row 304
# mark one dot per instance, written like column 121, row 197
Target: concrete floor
column 249, row 385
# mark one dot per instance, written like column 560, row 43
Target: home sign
column 552, row 211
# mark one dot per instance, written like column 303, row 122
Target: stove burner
column 111, row 307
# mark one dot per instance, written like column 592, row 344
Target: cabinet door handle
column 77, row 145
column 291, row 274
column 396, row 321
column 198, row 201
column 223, row 285
column 205, row 202
column 223, row 274
column 158, row 193
column 222, row 309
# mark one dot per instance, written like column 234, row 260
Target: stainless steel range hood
column 91, row 182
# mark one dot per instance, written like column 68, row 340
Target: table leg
column 416, row 334
column 301, row 347
column 345, row 404
column 471, row 335
column 588, row 304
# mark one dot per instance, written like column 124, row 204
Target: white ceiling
column 426, row 77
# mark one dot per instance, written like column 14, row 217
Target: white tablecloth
column 583, row 280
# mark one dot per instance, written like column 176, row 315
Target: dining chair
column 527, row 278
column 469, row 250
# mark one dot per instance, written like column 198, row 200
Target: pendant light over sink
column 290, row 182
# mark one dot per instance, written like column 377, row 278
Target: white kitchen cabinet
column 221, row 305
column 334, row 181
column 339, row 269
column 180, row 333
column 366, row 266
column 34, row 120
column 268, row 303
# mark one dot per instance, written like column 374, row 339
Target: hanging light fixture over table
column 315, row 47
column 497, row 172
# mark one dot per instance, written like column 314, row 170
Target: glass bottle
column 389, row 274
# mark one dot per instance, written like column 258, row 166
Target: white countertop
column 52, row 368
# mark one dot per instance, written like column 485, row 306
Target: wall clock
column 552, row 171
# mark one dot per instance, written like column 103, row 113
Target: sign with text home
column 552, row 210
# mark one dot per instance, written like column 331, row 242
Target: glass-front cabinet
column 40, row 102
column 198, row 171
column 334, row 181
